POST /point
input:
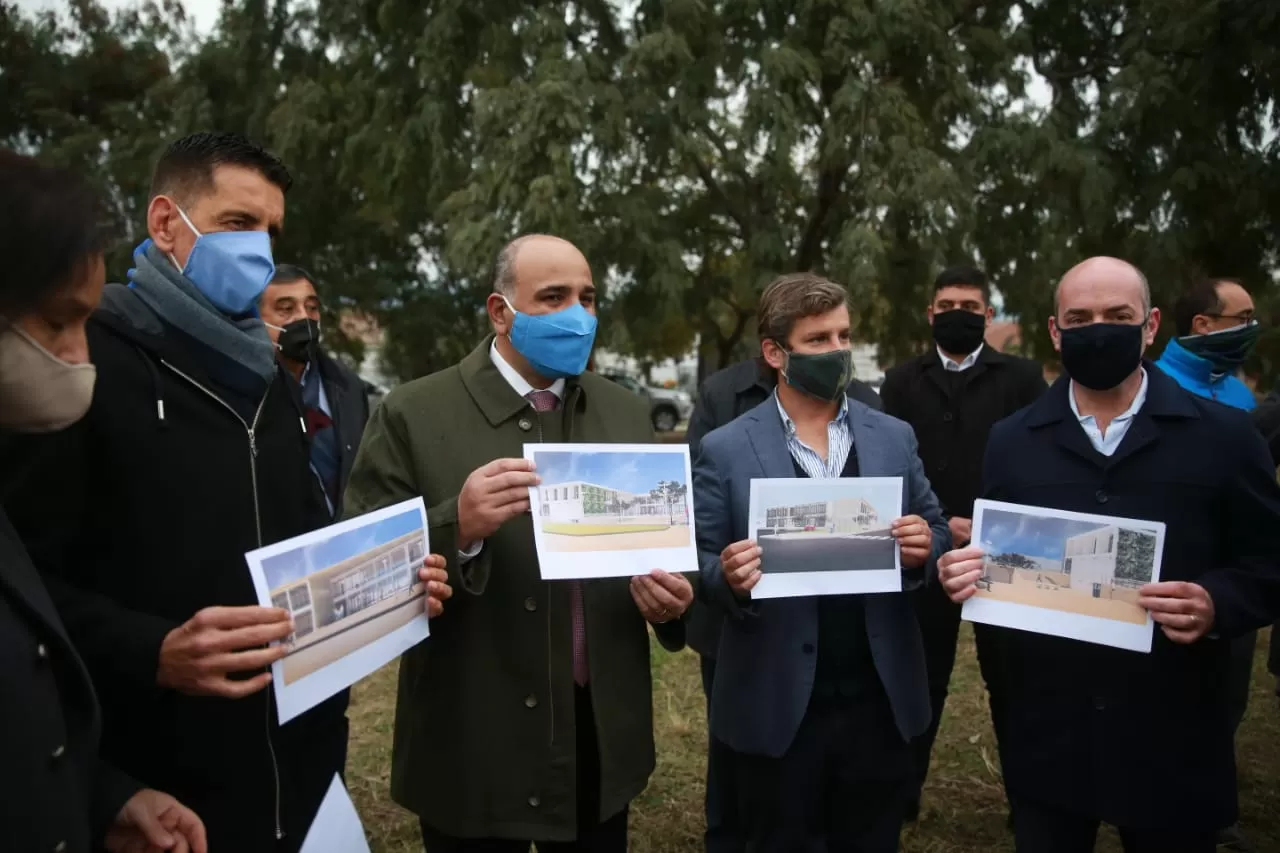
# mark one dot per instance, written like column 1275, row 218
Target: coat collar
column 1165, row 401
column 768, row 438
column 931, row 366
column 493, row 394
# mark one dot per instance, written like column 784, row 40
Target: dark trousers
column 1039, row 828
column 724, row 830
column 842, row 787
column 1241, row 680
column 939, row 620
column 593, row 837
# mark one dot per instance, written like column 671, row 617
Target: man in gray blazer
column 817, row 697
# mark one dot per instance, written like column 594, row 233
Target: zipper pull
column 253, row 444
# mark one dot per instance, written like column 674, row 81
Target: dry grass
column 964, row 807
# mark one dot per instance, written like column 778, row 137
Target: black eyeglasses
column 1243, row 317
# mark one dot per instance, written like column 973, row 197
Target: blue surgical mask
column 231, row 268
column 556, row 345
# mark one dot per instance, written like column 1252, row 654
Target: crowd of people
column 153, row 432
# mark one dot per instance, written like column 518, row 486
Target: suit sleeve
column 111, row 790
column 715, row 533
column 49, row 493
column 384, row 474
column 1246, row 593
column 921, row 501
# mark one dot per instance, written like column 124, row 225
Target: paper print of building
column 351, row 586
column 578, row 501
column 1111, row 556
column 841, row 515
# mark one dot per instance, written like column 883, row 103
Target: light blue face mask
column 556, row 345
column 231, row 268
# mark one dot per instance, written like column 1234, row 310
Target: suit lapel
column 874, row 458
column 769, row 441
column 20, row 578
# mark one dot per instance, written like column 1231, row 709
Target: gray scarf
column 243, row 341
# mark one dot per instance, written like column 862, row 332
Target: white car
column 668, row 408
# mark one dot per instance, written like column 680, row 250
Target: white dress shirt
column 522, row 387
column 950, row 365
column 1107, row 444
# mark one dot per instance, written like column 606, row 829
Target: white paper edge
column 336, row 806
column 1056, row 623
column 310, row 690
column 797, row 584
column 614, row 564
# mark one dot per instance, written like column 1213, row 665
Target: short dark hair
column 1201, row 298
column 186, row 167
column 789, row 298
column 963, row 276
column 52, row 223
column 291, row 273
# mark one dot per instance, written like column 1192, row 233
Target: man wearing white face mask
column 59, row 794
column 193, row 452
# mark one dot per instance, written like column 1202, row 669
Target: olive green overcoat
column 484, row 730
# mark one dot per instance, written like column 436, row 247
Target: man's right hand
column 960, row 570
column 740, row 563
column 198, row 656
column 491, row 496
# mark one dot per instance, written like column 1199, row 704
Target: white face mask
column 40, row 392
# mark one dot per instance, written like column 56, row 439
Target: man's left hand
column 915, row 538
column 661, row 596
column 433, row 574
column 1184, row 610
column 152, row 821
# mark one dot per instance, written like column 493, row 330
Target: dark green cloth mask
column 1225, row 350
column 821, row 375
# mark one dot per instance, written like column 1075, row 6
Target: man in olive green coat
column 527, row 716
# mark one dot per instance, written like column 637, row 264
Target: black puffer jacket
column 139, row 516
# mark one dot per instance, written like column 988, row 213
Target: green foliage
column 1135, row 555
column 693, row 149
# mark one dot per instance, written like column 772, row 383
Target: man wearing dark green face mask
column 1216, row 332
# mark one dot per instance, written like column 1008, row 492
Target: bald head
column 540, row 248
column 538, row 274
column 1099, row 280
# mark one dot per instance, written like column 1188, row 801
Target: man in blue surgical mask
column 542, row 689
column 193, row 451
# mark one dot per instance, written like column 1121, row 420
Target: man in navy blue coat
column 1093, row 733
column 817, row 697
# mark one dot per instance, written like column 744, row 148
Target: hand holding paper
column 1184, row 610
column 492, row 495
column 661, row 596
column 740, row 563
column 960, row 571
column 915, row 540
column 433, row 574
column 197, row 657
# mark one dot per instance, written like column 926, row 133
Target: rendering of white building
column 579, row 501
column 1091, row 558
column 842, row 515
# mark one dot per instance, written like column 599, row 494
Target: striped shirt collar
column 839, row 443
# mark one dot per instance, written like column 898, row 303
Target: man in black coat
column 1093, row 733
column 59, row 794
column 333, row 396
column 952, row 395
column 192, row 453
column 724, row 396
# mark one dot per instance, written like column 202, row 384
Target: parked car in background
column 668, row 408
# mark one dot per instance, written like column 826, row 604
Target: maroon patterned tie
column 547, row 401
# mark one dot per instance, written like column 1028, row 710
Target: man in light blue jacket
column 1216, row 331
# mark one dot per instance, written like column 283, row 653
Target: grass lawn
column 964, row 803
column 571, row 529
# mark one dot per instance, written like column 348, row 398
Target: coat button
column 42, row 651
column 948, row 417
column 525, row 424
column 807, row 648
column 534, row 801
column 531, row 604
column 531, row 701
column 58, row 751
column 1102, row 496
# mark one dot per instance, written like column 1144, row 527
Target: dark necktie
column 547, row 401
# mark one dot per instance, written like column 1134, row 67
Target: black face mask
column 1225, row 350
column 822, row 375
column 959, row 332
column 1102, row 355
column 300, row 340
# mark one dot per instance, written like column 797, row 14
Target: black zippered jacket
column 139, row 516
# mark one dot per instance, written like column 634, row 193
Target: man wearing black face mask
column 337, row 407
column 952, row 395
column 1093, row 733
column 817, row 697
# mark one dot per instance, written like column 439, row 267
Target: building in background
column 842, row 515
column 579, row 501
